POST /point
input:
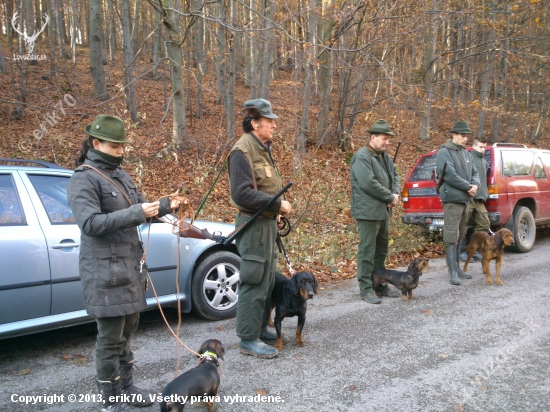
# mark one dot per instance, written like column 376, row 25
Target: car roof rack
column 510, row 145
column 31, row 163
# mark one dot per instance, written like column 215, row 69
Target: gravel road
column 473, row 347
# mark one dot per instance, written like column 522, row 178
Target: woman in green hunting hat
column 108, row 209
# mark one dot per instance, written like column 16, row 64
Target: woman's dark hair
column 247, row 124
column 87, row 144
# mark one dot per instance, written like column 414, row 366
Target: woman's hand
column 150, row 209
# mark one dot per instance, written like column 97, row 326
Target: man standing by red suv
column 456, row 168
column 477, row 208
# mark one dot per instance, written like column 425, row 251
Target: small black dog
column 203, row 380
column 404, row 281
column 289, row 298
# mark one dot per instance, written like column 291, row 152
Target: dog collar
column 209, row 354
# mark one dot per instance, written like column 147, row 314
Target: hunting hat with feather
column 258, row 108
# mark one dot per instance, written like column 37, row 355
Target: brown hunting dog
column 490, row 247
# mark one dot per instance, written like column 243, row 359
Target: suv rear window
column 424, row 169
column 517, row 162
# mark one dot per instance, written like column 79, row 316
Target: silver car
column 40, row 286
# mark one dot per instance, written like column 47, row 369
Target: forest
column 178, row 72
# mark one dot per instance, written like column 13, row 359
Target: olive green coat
column 481, row 165
column 460, row 173
column 372, row 186
column 110, row 250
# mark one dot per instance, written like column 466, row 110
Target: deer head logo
column 29, row 40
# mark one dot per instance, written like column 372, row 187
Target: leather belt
column 246, row 214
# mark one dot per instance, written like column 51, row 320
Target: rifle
column 396, row 151
column 194, row 232
column 439, row 182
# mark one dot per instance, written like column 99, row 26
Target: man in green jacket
column 477, row 209
column 374, row 192
column 460, row 185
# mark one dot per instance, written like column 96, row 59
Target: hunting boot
column 459, row 271
column 450, row 256
column 258, row 349
column 135, row 396
column 111, row 396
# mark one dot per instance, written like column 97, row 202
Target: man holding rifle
column 254, row 181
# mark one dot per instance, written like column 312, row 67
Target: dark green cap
column 380, row 127
column 109, row 128
column 262, row 105
column 461, row 127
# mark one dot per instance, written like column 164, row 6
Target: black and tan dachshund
column 202, row 381
column 289, row 298
column 404, row 281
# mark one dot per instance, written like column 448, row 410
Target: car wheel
column 215, row 286
column 524, row 230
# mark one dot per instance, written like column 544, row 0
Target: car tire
column 524, row 229
column 215, row 286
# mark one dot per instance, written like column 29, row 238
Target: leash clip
column 141, row 263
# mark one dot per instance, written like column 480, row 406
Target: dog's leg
column 486, row 265
column 211, row 407
column 411, row 296
column 301, row 323
column 279, row 341
column 498, row 264
column 404, row 296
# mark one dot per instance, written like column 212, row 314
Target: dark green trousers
column 455, row 217
column 372, row 250
column 113, row 344
column 478, row 211
column 257, row 249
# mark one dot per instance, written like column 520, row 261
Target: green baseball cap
column 109, row 128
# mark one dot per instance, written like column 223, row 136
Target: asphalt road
column 473, row 347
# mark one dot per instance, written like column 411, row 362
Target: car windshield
column 424, row 169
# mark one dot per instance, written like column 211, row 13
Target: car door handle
column 64, row 245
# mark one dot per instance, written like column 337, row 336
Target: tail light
column 405, row 195
column 492, row 200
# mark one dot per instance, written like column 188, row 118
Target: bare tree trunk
column 325, row 60
column 198, row 43
column 74, row 29
column 430, row 67
column 96, row 52
column 304, row 127
column 61, row 27
column 112, row 30
column 3, row 69
column 230, row 101
column 51, row 37
column 128, row 61
column 179, row 132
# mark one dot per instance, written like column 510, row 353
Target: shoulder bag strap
column 110, row 181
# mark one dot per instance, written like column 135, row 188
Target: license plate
column 437, row 222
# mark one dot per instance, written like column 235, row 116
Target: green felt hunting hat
column 461, row 127
column 380, row 127
column 109, row 128
column 263, row 106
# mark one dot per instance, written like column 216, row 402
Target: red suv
column 518, row 180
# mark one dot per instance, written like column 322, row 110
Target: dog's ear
column 498, row 238
column 315, row 284
column 294, row 286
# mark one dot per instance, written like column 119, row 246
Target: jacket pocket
column 252, row 269
column 112, row 199
column 116, row 265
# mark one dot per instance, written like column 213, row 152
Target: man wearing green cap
column 374, row 192
column 254, row 180
column 460, row 185
column 108, row 209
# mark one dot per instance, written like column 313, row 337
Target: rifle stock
column 441, row 179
